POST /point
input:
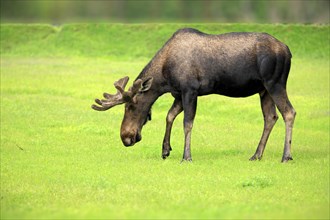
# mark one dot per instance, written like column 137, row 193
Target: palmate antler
column 113, row 100
column 122, row 96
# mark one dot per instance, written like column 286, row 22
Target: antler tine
column 99, row 108
column 112, row 100
column 121, row 84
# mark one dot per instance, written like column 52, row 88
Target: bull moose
column 192, row 64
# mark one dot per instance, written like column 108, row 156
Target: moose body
column 193, row 64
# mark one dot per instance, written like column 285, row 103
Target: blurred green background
column 139, row 11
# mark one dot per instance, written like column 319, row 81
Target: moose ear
column 146, row 84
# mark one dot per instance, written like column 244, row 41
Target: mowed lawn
column 61, row 159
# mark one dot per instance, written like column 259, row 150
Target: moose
column 191, row 64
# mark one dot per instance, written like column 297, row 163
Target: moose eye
column 130, row 107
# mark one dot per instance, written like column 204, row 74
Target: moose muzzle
column 130, row 138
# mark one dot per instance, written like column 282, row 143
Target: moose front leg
column 171, row 115
column 189, row 107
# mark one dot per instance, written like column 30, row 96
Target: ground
column 61, row 159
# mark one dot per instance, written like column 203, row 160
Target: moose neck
column 159, row 85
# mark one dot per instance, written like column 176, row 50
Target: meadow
column 62, row 160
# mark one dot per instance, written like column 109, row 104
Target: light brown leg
column 174, row 111
column 288, row 113
column 270, row 118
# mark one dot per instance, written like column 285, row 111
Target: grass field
column 61, row 159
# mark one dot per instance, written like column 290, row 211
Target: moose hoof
column 286, row 159
column 186, row 160
column 165, row 154
column 255, row 157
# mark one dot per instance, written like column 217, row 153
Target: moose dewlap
column 192, row 64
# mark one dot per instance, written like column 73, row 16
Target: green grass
column 61, row 159
column 141, row 41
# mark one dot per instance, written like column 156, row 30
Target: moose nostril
column 128, row 141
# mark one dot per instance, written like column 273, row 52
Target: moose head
column 137, row 107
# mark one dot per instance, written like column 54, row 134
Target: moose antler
column 112, row 100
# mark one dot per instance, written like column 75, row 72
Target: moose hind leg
column 174, row 111
column 288, row 113
column 270, row 118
